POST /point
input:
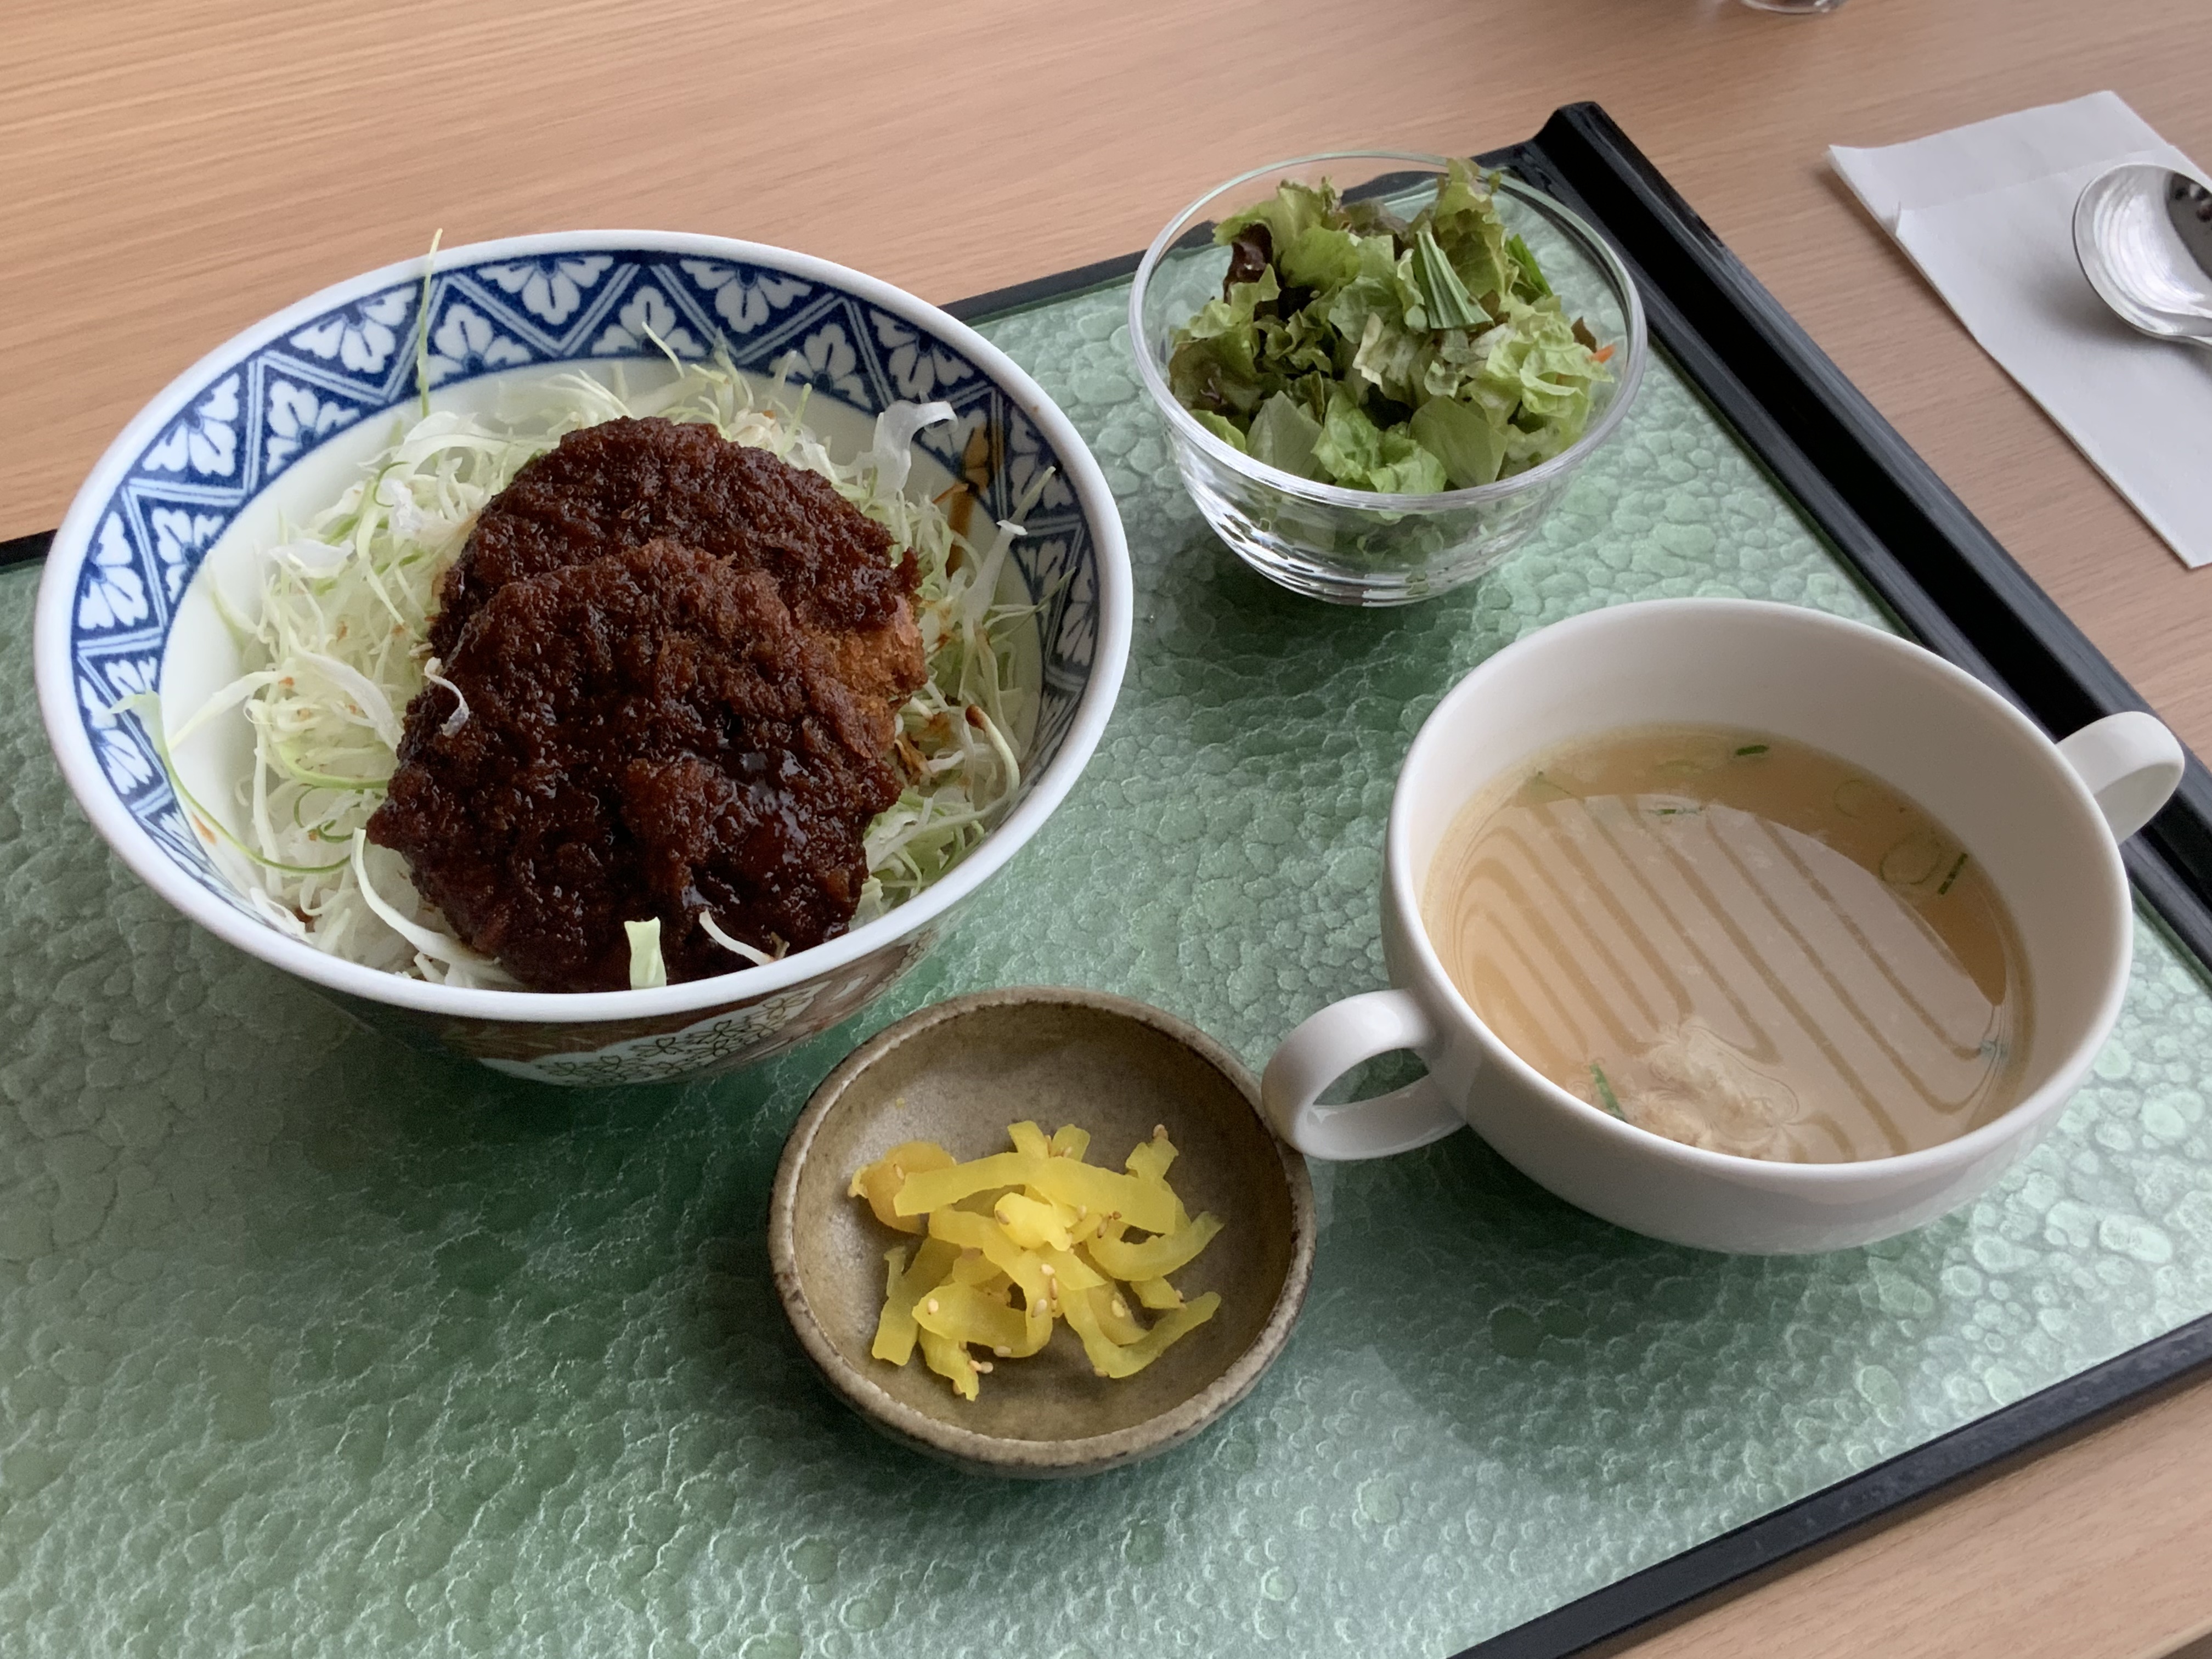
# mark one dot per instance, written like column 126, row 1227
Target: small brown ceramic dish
column 958, row 1073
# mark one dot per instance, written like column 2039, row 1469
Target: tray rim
column 1952, row 586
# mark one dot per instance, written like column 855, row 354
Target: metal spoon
column 2143, row 234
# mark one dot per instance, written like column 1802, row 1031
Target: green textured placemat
column 310, row 1346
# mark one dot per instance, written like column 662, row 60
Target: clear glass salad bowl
column 1358, row 546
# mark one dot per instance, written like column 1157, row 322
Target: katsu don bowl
column 296, row 627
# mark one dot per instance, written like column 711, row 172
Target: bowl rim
column 1635, row 354
column 96, row 795
column 1003, row 1454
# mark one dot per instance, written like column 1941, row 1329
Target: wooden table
column 248, row 152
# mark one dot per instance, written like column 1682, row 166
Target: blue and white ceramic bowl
column 276, row 423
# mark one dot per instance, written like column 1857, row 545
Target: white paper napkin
column 1987, row 213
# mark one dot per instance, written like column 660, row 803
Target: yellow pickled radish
column 1017, row 1241
column 878, row 1182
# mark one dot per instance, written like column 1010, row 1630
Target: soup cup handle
column 2132, row 765
column 1327, row 1046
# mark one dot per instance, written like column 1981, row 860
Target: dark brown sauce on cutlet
column 625, row 482
column 683, row 661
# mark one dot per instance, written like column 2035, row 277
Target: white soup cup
column 2043, row 819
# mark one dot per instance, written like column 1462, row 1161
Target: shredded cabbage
column 649, row 970
column 334, row 646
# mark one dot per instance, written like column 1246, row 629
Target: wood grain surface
column 172, row 172
column 2099, row 1550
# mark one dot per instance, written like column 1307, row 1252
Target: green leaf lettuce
column 1376, row 353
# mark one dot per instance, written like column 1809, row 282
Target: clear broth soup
column 1736, row 941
